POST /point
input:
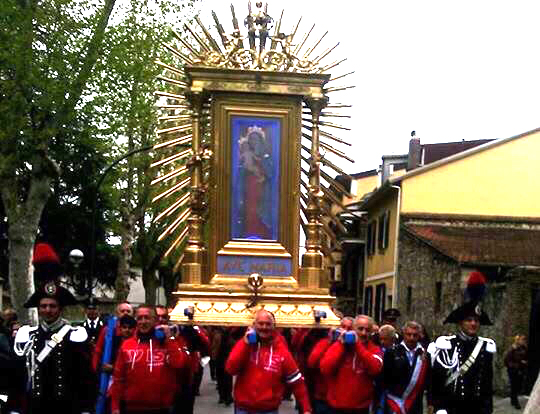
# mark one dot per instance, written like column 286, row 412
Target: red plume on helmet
column 47, row 269
column 476, row 287
column 472, row 304
column 46, row 263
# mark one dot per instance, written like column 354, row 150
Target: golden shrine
column 250, row 111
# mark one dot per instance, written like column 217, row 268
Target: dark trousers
column 516, row 383
column 161, row 411
column 321, row 407
column 362, row 411
column 184, row 401
column 197, row 380
column 212, row 365
column 224, row 382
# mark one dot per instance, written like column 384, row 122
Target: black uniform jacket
column 397, row 372
column 63, row 382
column 471, row 392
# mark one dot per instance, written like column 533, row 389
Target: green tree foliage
column 123, row 96
column 48, row 50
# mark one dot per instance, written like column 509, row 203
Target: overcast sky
column 451, row 70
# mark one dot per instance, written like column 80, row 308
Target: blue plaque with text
column 246, row 265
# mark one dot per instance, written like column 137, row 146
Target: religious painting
column 255, row 167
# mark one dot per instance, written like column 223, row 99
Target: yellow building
column 495, row 180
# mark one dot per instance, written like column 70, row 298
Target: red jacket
column 320, row 381
column 262, row 371
column 100, row 345
column 194, row 355
column 145, row 374
column 351, row 371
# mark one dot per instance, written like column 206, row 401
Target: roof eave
column 459, row 156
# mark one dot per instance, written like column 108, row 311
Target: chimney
column 415, row 152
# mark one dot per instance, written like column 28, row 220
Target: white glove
column 441, row 412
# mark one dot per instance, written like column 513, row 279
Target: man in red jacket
column 351, row 365
column 122, row 309
column 263, row 367
column 145, row 372
column 320, row 390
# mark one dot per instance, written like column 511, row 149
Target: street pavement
column 207, row 402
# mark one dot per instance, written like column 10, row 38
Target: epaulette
column 23, row 333
column 21, row 338
column 491, row 346
column 78, row 334
column 442, row 342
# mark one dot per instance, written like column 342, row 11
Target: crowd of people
column 153, row 366
column 138, row 362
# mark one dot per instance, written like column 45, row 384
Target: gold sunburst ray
column 178, row 54
column 333, row 150
column 195, row 36
column 339, row 88
column 331, row 65
column 169, row 176
column 170, row 95
column 276, row 31
column 169, row 106
column 173, row 69
column 336, row 152
column 304, row 39
column 311, row 49
column 324, row 135
column 172, row 158
column 182, row 217
column 324, row 54
column 325, row 226
column 336, row 184
column 182, row 140
column 177, row 187
column 220, row 29
column 338, row 106
column 326, row 124
column 171, row 81
column 180, row 117
column 183, row 235
column 208, row 36
column 341, row 77
column 183, row 127
column 182, row 201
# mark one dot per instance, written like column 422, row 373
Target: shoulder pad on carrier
column 491, row 346
column 78, row 334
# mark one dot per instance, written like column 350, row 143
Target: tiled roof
column 500, row 246
column 435, row 152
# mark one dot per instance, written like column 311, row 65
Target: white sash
column 400, row 402
column 51, row 343
column 467, row 364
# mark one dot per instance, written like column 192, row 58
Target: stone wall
column 507, row 302
column 420, row 268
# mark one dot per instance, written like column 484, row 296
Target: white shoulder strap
column 51, row 343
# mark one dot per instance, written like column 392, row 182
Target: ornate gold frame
column 287, row 110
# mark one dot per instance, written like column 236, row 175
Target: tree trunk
column 124, row 259
column 151, row 284
column 23, row 223
column 21, row 273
